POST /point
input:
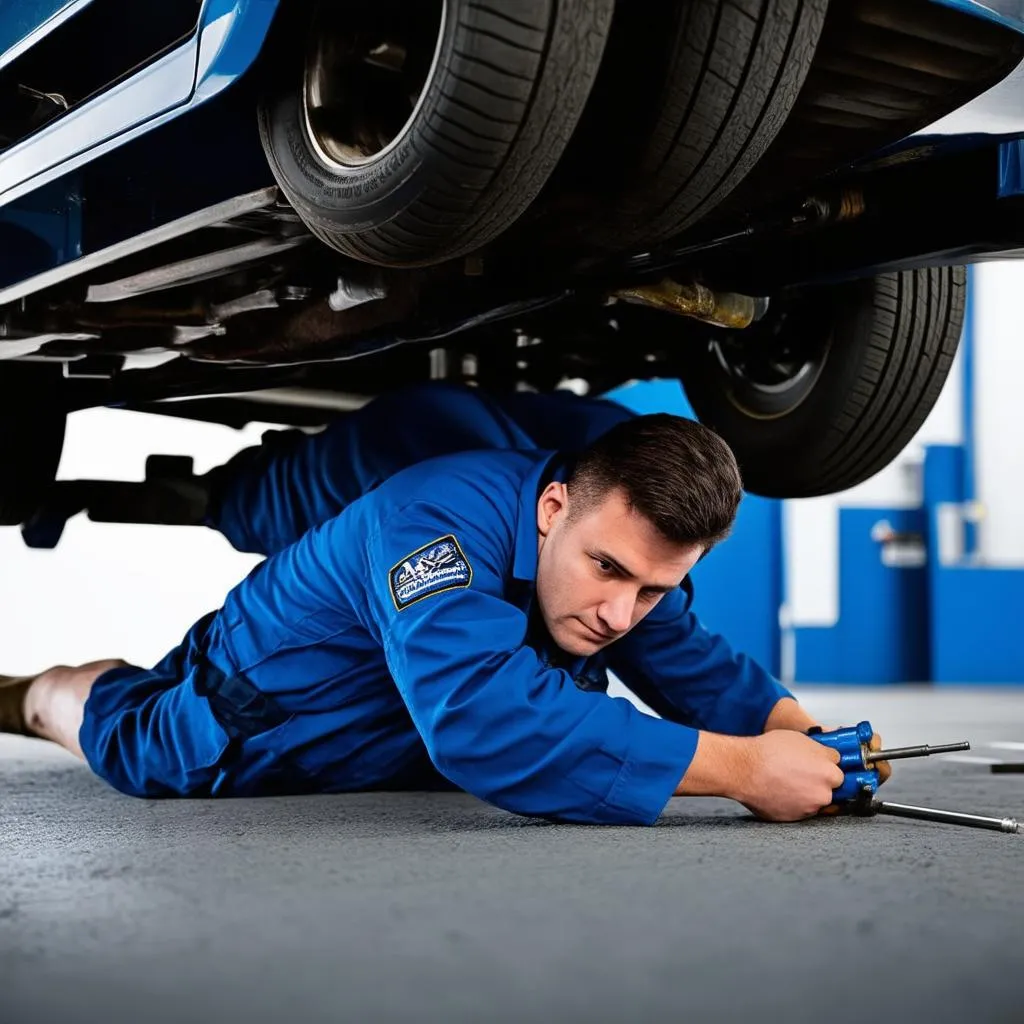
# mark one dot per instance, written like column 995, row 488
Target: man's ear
column 551, row 506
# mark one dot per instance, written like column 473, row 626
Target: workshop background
column 915, row 576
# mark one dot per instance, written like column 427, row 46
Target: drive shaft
column 898, row 753
column 946, row 817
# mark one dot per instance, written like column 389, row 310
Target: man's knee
column 40, row 696
column 60, row 676
column 54, row 701
column 99, row 667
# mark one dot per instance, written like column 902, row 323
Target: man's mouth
column 596, row 634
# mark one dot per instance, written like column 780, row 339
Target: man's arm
column 268, row 496
column 495, row 720
column 780, row 776
column 512, row 731
column 789, row 714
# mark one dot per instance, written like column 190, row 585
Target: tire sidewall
column 353, row 198
column 763, row 445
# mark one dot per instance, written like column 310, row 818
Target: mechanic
column 447, row 622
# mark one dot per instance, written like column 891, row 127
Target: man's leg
column 51, row 705
column 267, row 497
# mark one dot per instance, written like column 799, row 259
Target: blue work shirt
column 368, row 672
column 402, row 634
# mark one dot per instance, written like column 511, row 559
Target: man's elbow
column 487, row 774
column 530, row 787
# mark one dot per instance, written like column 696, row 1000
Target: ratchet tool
column 857, row 793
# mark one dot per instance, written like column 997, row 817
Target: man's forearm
column 789, row 714
column 781, row 775
column 720, row 767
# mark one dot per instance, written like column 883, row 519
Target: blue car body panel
column 999, row 110
column 1006, row 12
column 28, row 21
column 229, row 38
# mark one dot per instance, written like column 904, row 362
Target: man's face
column 601, row 572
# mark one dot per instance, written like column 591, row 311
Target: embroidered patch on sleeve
column 432, row 569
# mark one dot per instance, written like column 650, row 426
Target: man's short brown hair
column 678, row 474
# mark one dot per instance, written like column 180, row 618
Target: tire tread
column 506, row 96
column 899, row 333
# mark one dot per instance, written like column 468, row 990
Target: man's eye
column 605, row 567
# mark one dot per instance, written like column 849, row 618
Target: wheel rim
column 368, row 69
column 773, row 367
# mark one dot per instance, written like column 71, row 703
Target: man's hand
column 883, row 768
column 780, row 776
column 789, row 714
column 790, row 777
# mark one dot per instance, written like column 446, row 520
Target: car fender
column 228, row 40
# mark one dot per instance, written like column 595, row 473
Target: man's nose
column 617, row 614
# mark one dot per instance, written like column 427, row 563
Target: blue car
column 241, row 210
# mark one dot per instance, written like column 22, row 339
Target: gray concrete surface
column 411, row 907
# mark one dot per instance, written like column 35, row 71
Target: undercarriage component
column 883, row 70
column 170, row 496
column 15, row 344
column 32, row 418
column 350, row 294
column 317, row 334
column 899, row 218
column 220, row 213
column 722, row 309
column 194, row 269
column 307, row 398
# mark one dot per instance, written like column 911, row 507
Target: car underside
column 735, row 197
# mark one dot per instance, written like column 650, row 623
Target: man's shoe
column 12, row 704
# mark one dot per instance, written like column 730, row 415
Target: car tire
column 713, row 95
column 867, row 361
column 505, row 87
column 881, row 72
column 32, row 422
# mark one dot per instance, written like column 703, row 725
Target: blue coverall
column 396, row 644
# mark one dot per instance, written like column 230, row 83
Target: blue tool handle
column 851, row 744
column 856, row 785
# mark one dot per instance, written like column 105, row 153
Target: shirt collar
column 554, row 467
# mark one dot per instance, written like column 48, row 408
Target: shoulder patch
column 432, row 569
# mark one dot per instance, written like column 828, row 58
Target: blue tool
column 860, row 785
column 855, row 758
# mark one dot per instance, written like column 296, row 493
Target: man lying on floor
column 449, row 578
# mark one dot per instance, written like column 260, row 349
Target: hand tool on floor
column 857, row 793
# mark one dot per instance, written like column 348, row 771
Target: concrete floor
column 439, row 908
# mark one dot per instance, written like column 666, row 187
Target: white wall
column 811, row 527
column 115, row 590
column 999, row 410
